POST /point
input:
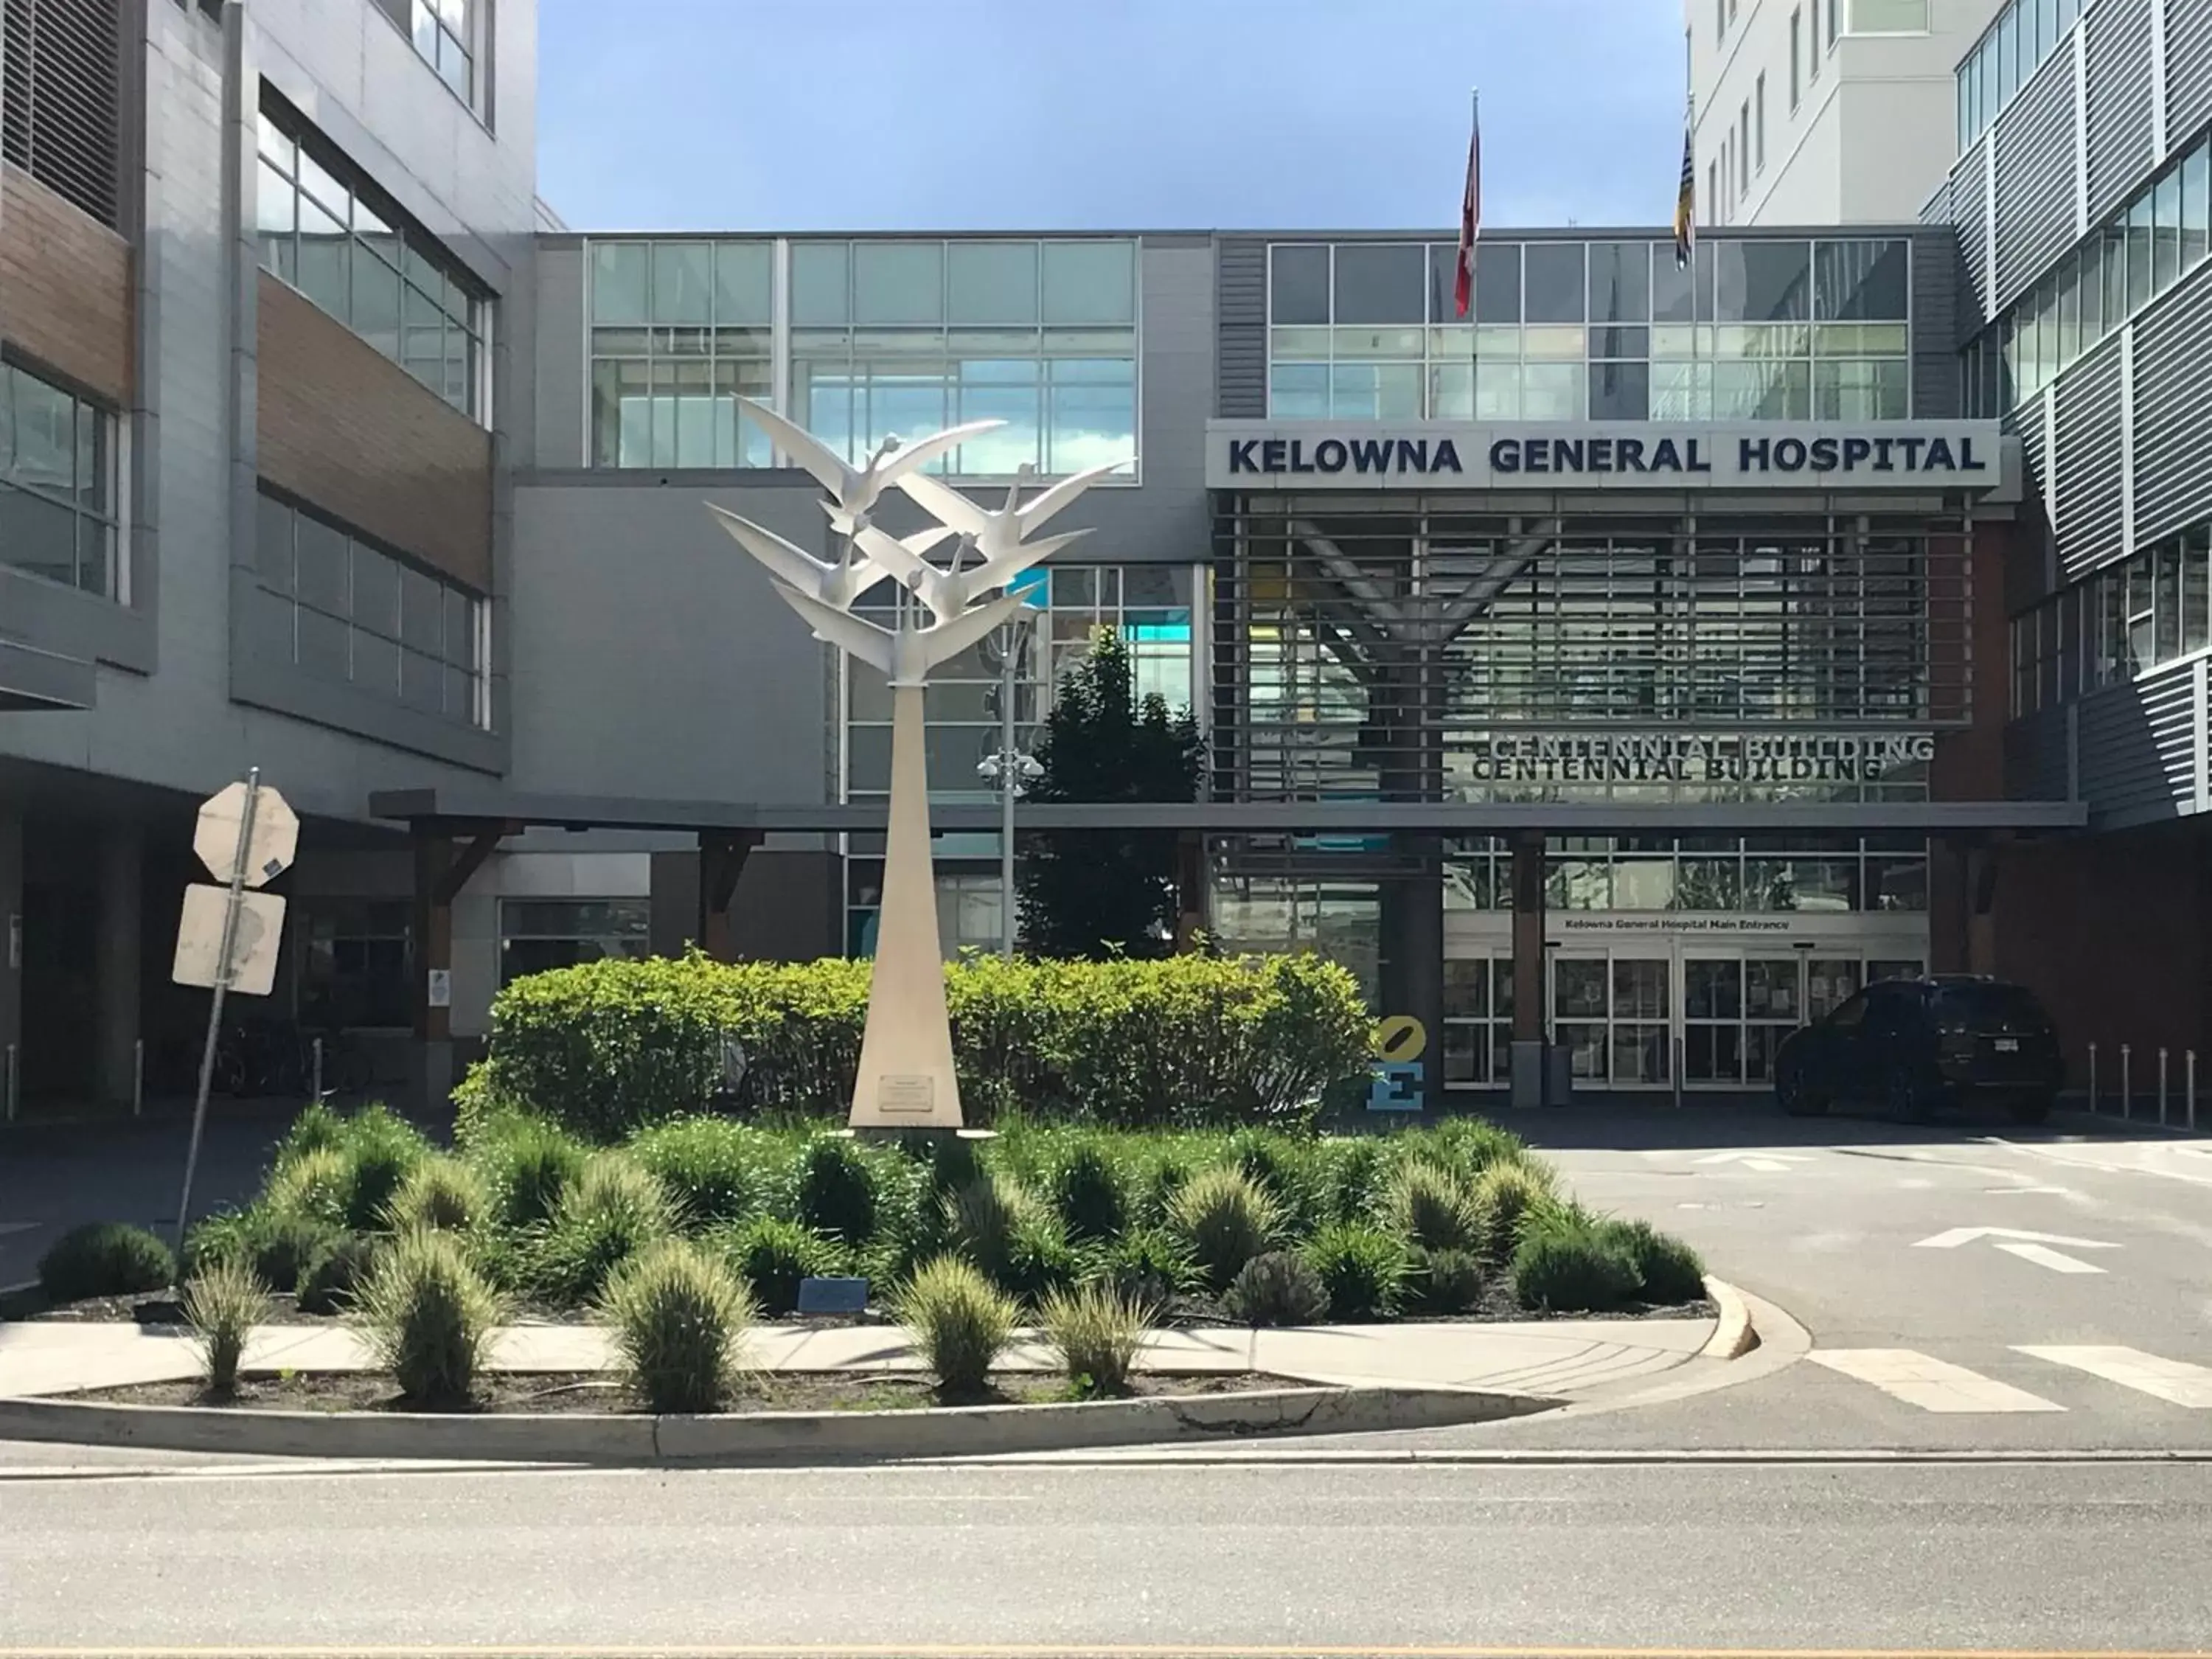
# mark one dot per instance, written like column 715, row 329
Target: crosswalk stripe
column 2175, row 1381
column 1934, row 1385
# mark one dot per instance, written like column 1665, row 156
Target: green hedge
column 606, row 1046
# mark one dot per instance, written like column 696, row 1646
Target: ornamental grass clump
column 773, row 1256
column 223, row 1302
column 679, row 1316
column 1431, row 1206
column 834, row 1190
column 1567, row 1263
column 613, row 1209
column 1363, row 1269
column 428, row 1316
column 441, row 1192
column 527, row 1164
column 1088, row 1193
column 1277, row 1287
column 335, row 1272
column 105, row 1258
column 1096, row 1331
column 708, row 1165
column 1668, row 1272
column 1506, row 1194
column 958, row 1321
column 1225, row 1219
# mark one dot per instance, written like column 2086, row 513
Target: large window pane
column 819, row 275
column 272, row 543
column 2139, row 255
column 1008, row 390
column 324, row 257
column 1379, row 283
column 1763, row 282
column 322, row 558
column 1297, row 284
column 2196, row 175
column 1550, row 392
column 38, row 534
column 1554, row 286
column 375, row 591
column 898, row 282
column 2165, row 232
column 1861, row 281
column 1090, row 414
column 991, row 283
column 745, row 283
column 1298, row 391
column 682, row 282
column 375, row 314
column 1091, row 284
column 1498, row 283
column 1620, row 391
column 276, row 220
column 1619, row 282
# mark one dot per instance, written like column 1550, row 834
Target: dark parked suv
column 1910, row 1046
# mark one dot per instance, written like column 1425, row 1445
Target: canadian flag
column 1470, row 221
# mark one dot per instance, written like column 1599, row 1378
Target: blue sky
column 1094, row 114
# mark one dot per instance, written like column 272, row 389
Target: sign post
column 246, row 835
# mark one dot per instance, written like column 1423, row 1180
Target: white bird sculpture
column 835, row 585
column 904, row 656
column 854, row 495
column 1001, row 538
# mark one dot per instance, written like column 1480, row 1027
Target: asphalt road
column 1831, row 1218
column 1916, row 1557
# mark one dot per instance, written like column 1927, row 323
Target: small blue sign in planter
column 833, row 1296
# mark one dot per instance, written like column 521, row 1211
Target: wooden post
column 722, row 855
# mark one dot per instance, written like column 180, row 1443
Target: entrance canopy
column 467, row 807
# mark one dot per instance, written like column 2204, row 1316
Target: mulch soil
column 1185, row 1312
column 569, row 1393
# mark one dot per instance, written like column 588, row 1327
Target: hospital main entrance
column 1637, row 1000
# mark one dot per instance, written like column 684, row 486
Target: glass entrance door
column 1737, row 1006
column 1612, row 1011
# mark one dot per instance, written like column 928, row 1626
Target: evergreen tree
column 1103, row 892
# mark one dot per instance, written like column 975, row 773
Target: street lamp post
column 1012, row 772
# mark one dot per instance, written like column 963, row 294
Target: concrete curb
column 1734, row 1333
column 766, row 1437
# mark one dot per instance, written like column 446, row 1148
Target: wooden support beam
column 722, row 855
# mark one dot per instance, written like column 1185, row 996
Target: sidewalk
column 1558, row 1358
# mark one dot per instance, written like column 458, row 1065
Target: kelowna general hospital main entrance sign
column 1604, row 455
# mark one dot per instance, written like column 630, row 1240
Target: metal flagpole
column 1473, row 333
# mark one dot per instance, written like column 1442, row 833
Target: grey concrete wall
column 651, row 656
column 561, row 348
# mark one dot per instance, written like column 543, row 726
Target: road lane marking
column 1763, row 1163
column 1934, row 1385
column 2057, row 1260
column 2174, row 1381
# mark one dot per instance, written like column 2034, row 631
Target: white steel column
column 2127, row 438
column 2080, row 51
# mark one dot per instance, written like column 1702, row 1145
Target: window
column 354, row 972
column 2136, row 615
column 1887, row 16
column 1743, row 151
column 355, row 613
column 1812, row 42
column 441, row 31
column 1712, row 194
column 909, row 336
column 680, row 330
column 58, row 485
column 1759, row 94
column 358, row 258
column 2011, row 49
column 1720, row 21
column 59, row 101
column 1796, row 51
column 537, row 934
column 1832, row 5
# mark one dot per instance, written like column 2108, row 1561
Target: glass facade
column 884, row 338
column 58, row 485
column 2115, row 625
column 1604, row 625
column 2144, row 249
column 1788, row 329
column 1149, row 605
column 354, row 613
column 2005, row 58
column 440, row 32
column 1732, row 874
column 354, row 255
column 537, row 934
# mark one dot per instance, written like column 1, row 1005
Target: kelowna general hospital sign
column 1603, row 455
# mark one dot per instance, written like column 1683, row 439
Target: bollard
column 138, row 1077
column 2127, row 1081
column 2162, row 1086
column 2093, row 1079
column 317, row 1095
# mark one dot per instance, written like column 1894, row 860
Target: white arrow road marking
column 1764, row 1163
column 2054, row 1192
column 1934, row 1385
column 1958, row 1236
column 2044, row 1257
column 2174, row 1381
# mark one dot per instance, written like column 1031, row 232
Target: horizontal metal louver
column 2035, row 178
column 1241, row 316
column 2138, row 748
column 2118, row 101
column 58, row 98
column 1968, row 183
column 2172, row 414
column 2188, row 68
column 2088, row 507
